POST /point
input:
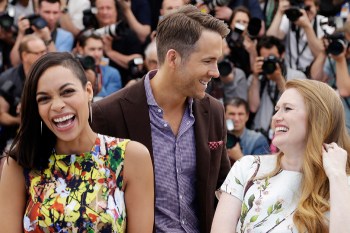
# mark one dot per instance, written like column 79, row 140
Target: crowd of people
column 174, row 116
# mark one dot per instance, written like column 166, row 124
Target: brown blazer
column 125, row 114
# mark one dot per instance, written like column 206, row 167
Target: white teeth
column 283, row 129
column 61, row 119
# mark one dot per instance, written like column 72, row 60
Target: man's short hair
column 182, row 29
column 268, row 42
column 49, row 1
column 237, row 102
column 83, row 37
column 23, row 46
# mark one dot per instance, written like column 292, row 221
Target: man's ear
column 79, row 49
column 89, row 90
column 172, row 58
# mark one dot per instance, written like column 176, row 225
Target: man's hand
column 125, row 4
column 303, row 21
column 257, row 67
column 23, row 24
column 235, row 153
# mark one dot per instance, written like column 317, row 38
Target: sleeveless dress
column 79, row 193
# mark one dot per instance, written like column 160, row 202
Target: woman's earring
column 90, row 111
column 41, row 127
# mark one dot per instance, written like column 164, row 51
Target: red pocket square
column 215, row 145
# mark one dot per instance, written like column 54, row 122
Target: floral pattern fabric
column 79, row 193
column 268, row 204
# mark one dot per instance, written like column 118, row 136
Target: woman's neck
column 292, row 162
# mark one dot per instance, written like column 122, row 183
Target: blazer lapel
column 201, row 113
column 136, row 108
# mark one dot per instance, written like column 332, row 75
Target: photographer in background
column 45, row 26
column 231, row 83
column 333, row 66
column 12, row 81
column 241, row 41
column 297, row 21
column 240, row 140
column 7, row 34
column 121, row 44
column 106, row 79
column 267, row 81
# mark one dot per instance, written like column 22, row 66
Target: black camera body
column 134, row 68
column 214, row 3
column 270, row 64
column 89, row 18
column 87, row 62
column 293, row 12
column 225, row 67
column 36, row 21
column 337, row 43
column 235, row 38
column 232, row 140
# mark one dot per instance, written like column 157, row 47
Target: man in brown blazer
column 183, row 128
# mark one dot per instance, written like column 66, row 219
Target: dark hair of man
column 269, row 42
column 239, row 9
column 82, row 39
column 182, row 29
column 49, row 1
column 237, row 102
column 32, row 145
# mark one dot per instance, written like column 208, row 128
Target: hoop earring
column 90, row 111
column 41, row 127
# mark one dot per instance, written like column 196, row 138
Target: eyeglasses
column 38, row 53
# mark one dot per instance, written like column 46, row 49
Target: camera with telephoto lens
column 225, row 67
column 118, row 29
column 36, row 21
column 87, row 62
column 293, row 12
column 270, row 64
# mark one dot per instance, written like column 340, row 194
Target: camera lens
column 336, row 47
column 269, row 65
column 225, row 67
column 293, row 13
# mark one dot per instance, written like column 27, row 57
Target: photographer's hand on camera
column 235, row 153
column 257, row 66
column 304, row 20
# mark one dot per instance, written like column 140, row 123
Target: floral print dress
column 268, row 204
column 79, row 193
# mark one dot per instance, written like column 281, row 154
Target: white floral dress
column 268, row 204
